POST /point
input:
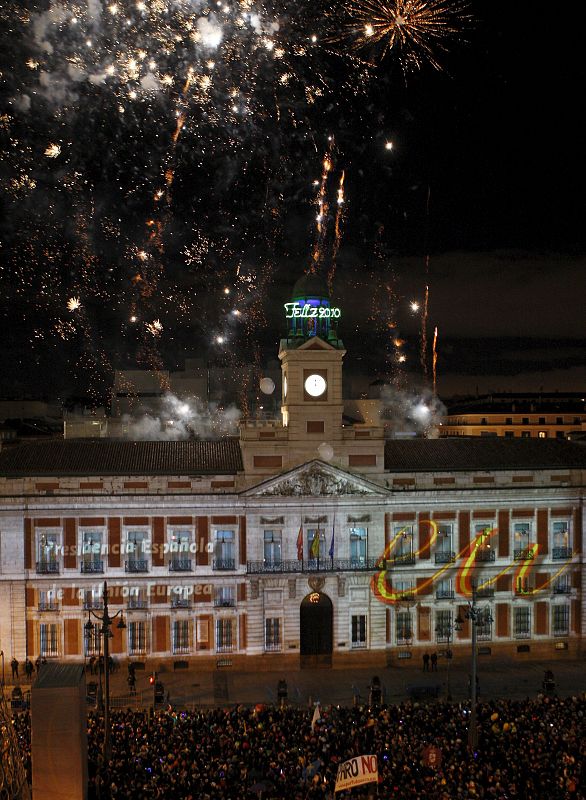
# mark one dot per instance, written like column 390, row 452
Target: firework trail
column 434, row 360
column 337, row 232
column 424, row 314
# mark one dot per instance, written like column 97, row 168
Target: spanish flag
column 314, row 549
column 300, row 543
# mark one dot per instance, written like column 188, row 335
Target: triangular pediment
column 316, row 479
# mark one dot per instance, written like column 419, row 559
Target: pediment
column 316, row 479
column 315, row 343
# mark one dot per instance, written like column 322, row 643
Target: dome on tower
column 311, row 285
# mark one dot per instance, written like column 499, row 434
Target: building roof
column 528, row 403
column 120, row 457
column 478, row 453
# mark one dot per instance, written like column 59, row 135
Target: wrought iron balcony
column 180, row 565
column 93, row 605
column 225, row 648
column 484, row 636
column 358, row 645
column 92, row 566
column 406, row 596
column 485, row 591
column 561, row 553
column 402, row 559
column 315, row 565
column 47, row 567
column 273, row 647
column 137, row 565
column 48, row 606
column 565, row 631
column 180, row 602
column 484, row 555
column 522, row 634
column 181, row 650
column 444, row 594
column 524, row 553
column 445, row 557
column 135, row 603
column 224, row 563
column 137, row 650
column 224, row 602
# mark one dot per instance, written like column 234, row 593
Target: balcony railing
column 273, row 647
column 181, row 649
column 315, row 565
column 180, row 565
column 485, row 591
column 224, row 602
column 92, row 566
column 402, row 559
column 135, row 603
column 524, row 591
column 93, row 605
column 224, row 563
column 405, row 639
column 358, row 645
column 445, row 557
column 484, row 555
column 444, row 594
column 483, row 636
column 524, row 553
column 565, row 631
column 561, row 553
column 522, row 634
column 225, row 648
column 180, row 602
column 137, row 650
column 49, row 606
column 47, row 567
column 137, row 565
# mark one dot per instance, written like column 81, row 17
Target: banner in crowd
column 356, row 771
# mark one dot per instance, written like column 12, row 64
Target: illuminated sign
column 308, row 311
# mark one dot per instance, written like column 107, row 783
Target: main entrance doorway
column 316, row 630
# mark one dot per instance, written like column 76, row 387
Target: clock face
column 284, row 386
column 315, row 385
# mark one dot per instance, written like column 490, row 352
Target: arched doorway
column 316, row 630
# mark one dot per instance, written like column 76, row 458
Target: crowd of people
column 531, row 749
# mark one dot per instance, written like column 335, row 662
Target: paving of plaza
column 497, row 678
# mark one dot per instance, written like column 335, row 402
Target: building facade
column 301, row 541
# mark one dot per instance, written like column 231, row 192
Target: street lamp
column 447, row 631
column 2, row 657
column 104, row 631
column 476, row 616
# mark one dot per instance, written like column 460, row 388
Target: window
column 404, row 627
column 522, row 622
column 404, row 588
column 522, row 537
column 224, row 550
column 525, row 434
column 562, row 585
column 443, row 545
column 180, row 636
column 444, row 630
column 136, row 548
column 49, row 640
column 484, row 550
column 91, row 551
column 561, row 547
column 509, row 421
column 403, row 551
column 484, row 625
column 559, row 420
column 525, row 421
column 560, row 620
column 542, row 420
column 48, row 549
column 316, row 544
column 444, row 589
column 358, row 630
column 137, row 597
column 179, row 548
column 542, row 434
column 560, row 435
column 358, row 545
column 93, row 641
column 509, row 434
column 224, row 597
column 272, row 547
column 224, row 635
column 272, row 634
column 48, row 600
column 137, row 638
column 93, row 598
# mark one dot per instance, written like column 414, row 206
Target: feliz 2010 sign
column 308, row 311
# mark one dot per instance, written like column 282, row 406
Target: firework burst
column 414, row 29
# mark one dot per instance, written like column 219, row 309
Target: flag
column 314, row 549
column 316, row 716
column 300, row 544
column 331, row 550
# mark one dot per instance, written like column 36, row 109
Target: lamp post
column 2, row 657
column 104, row 631
column 476, row 616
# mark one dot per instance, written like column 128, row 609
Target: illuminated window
column 225, row 640
column 272, row 547
column 358, row 545
column 180, row 636
column 358, row 630
column 137, row 638
column 49, row 640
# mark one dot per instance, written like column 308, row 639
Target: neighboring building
column 303, row 541
column 528, row 416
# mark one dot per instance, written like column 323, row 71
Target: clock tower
column 311, row 366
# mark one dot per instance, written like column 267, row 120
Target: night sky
column 163, row 165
